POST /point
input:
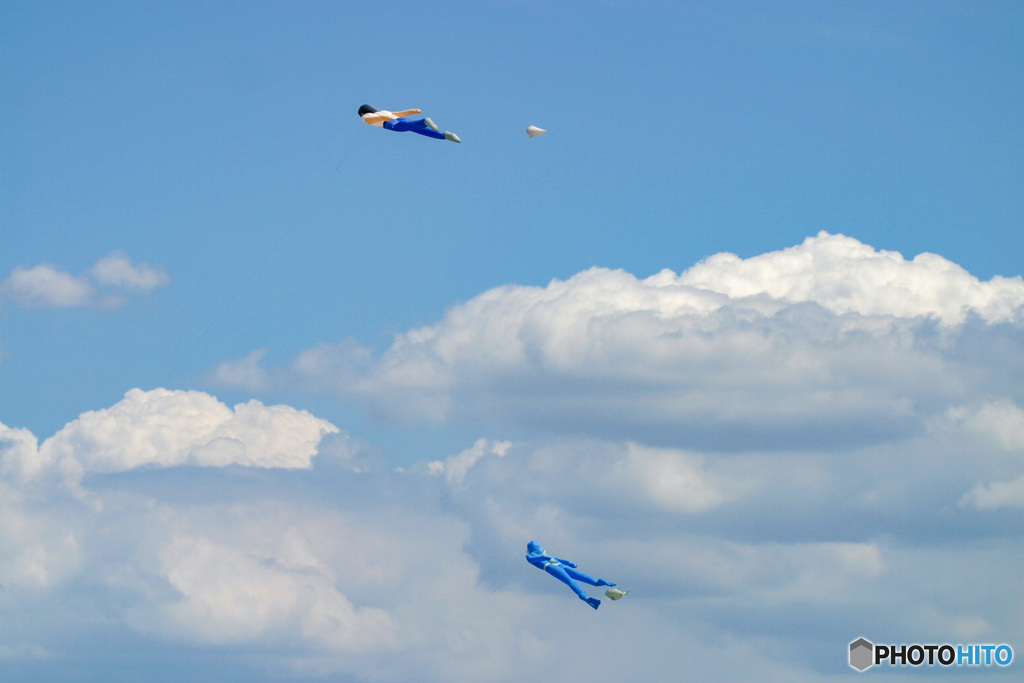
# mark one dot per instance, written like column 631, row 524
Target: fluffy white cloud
column 826, row 342
column 313, row 567
column 751, row 447
column 166, row 428
column 844, row 275
column 230, row 594
column 317, row 570
column 20, row 448
column 46, row 285
column 32, row 552
column 775, row 536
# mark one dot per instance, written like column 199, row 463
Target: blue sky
column 190, row 204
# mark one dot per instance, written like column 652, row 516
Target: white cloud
column 844, row 275
column 829, row 341
column 1001, row 421
column 35, row 552
column 998, row 424
column 751, row 447
column 456, row 467
column 46, row 285
column 167, row 428
column 200, row 564
column 104, row 285
column 32, row 553
column 675, row 480
column 19, row 448
column 231, row 595
column 118, row 270
column 327, row 572
column 245, row 373
column 998, row 494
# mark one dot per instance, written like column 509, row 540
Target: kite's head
column 534, row 547
column 366, row 109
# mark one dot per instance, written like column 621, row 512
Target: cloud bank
column 829, row 341
column 323, row 568
column 775, row 455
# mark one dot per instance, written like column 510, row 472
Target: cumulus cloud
column 844, row 275
column 166, row 428
column 229, row 595
column 330, row 566
column 829, row 342
column 105, row 284
column 775, row 536
column 751, row 447
column 311, row 566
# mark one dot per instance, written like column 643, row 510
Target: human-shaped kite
column 402, row 121
column 565, row 571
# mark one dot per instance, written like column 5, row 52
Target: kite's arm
column 379, row 116
column 568, row 563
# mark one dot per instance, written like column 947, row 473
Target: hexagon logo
column 862, row 654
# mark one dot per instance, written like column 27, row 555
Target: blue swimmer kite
column 565, row 571
column 402, row 121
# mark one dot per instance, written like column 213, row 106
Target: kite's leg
column 586, row 578
column 561, row 573
column 414, row 126
column 558, row 571
column 429, row 133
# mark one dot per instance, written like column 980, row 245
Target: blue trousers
column 407, row 123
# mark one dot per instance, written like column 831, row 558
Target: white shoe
column 451, row 137
column 430, row 124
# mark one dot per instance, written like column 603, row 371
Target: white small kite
column 615, row 593
column 534, row 131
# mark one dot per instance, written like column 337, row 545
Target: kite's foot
column 430, row 124
column 451, row 137
column 594, row 602
column 602, row 582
